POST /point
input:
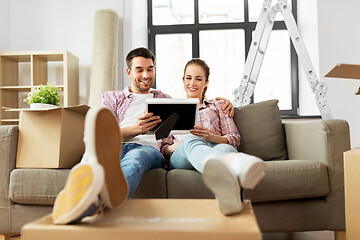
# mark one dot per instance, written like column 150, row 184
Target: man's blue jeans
column 136, row 159
column 193, row 151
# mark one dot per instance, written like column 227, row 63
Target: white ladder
column 257, row 50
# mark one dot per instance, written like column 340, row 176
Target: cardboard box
column 154, row 219
column 51, row 138
column 352, row 193
column 350, row 71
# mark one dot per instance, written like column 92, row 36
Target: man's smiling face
column 142, row 74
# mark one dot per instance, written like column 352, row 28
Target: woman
column 211, row 146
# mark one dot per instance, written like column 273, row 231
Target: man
column 140, row 152
column 99, row 172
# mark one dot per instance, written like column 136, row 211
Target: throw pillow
column 261, row 130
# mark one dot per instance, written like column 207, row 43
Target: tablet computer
column 178, row 115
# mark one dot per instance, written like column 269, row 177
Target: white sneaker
column 103, row 143
column 249, row 169
column 224, row 184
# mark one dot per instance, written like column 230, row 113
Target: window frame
column 248, row 27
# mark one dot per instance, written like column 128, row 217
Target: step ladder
column 257, row 50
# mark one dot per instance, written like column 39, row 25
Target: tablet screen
column 187, row 110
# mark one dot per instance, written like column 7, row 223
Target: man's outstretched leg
column 99, row 172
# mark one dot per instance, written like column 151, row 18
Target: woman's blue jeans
column 193, row 151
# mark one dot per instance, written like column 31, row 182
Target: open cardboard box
column 345, row 71
column 51, row 138
column 352, row 195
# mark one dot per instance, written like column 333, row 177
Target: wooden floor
column 323, row 235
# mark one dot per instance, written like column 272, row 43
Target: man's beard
column 140, row 89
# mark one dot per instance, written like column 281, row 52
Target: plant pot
column 42, row 106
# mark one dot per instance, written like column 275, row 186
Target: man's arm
column 143, row 125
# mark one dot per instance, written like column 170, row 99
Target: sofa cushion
column 187, row 184
column 36, row 186
column 41, row 186
column 152, row 185
column 291, row 179
column 261, row 130
column 284, row 180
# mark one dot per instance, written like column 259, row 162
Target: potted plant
column 44, row 96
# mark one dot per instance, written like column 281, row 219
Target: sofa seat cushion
column 291, row 179
column 284, row 180
column 41, row 186
column 36, row 186
column 152, row 184
column 187, row 184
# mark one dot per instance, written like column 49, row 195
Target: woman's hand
column 171, row 148
column 228, row 106
column 202, row 132
column 205, row 134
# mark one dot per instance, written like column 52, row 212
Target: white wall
column 4, row 25
column 331, row 35
column 68, row 25
column 308, row 27
column 135, row 31
column 59, row 25
column 339, row 42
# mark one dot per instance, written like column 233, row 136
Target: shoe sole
column 225, row 186
column 108, row 142
column 81, row 190
column 254, row 174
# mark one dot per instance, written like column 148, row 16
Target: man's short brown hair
column 139, row 52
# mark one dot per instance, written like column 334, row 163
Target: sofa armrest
column 8, row 147
column 325, row 141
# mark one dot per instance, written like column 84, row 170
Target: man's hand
column 143, row 125
column 147, row 122
column 228, row 106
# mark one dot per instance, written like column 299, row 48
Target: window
column 220, row 32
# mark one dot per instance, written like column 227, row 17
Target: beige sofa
column 303, row 190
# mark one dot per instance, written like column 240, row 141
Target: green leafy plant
column 49, row 94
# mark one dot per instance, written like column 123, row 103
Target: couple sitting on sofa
column 210, row 148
